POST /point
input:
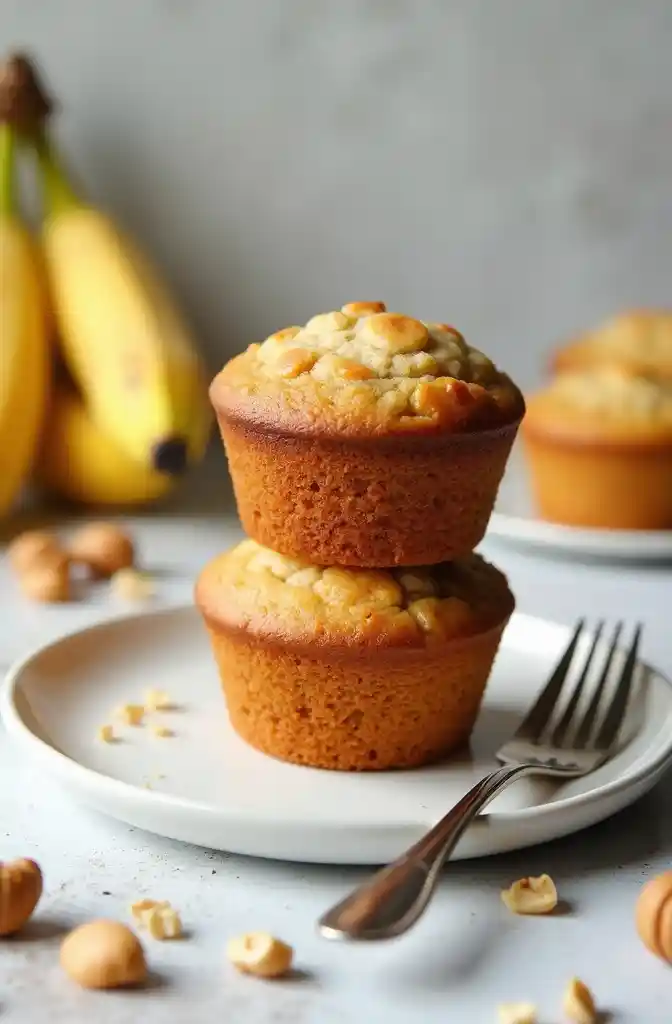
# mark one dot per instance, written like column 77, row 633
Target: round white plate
column 209, row 788
column 515, row 520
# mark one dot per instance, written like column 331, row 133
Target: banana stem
column 7, row 188
column 59, row 195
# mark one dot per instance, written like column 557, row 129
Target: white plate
column 515, row 520
column 209, row 788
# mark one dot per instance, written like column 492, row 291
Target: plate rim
column 89, row 779
column 534, row 530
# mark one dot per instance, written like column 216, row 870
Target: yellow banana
column 79, row 461
column 24, row 352
column 122, row 337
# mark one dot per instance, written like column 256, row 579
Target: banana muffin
column 599, row 447
column 639, row 341
column 366, row 438
column 352, row 669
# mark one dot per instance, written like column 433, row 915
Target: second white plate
column 516, row 521
column 204, row 786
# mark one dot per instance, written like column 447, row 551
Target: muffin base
column 382, row 502
column 617, row 486
column 393, row 709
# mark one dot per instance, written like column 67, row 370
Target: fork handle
column 390, row 902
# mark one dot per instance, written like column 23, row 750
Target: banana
column 24, row 348
column 122, row 337
column 80, row 462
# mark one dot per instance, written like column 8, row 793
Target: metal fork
column 553, row 740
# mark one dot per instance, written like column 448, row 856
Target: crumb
column 162, row 731
column 106, row 734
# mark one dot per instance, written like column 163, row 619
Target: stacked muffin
column 599, row 436
column 356, row 629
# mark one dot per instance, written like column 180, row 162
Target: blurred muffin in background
column 599, row 448
column 639, row 341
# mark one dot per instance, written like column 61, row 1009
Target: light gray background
column 505, row 165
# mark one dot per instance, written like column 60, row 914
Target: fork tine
column 590, row 717
column 538, row 716
column 616, row 713
column 560, row 732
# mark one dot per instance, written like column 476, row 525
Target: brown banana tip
column 24, row 100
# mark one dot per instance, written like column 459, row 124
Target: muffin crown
column 363, row 341
column 616, row 393
column 364, row 369
column 267, row 594
column 644, row 333
column 638, row 340
column 603, row 404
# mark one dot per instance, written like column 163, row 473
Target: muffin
column 352, row 669
column 366, row 438
column 639, row 341
column 599, row 447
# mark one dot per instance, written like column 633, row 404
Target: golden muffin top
column 604, row 402
column 254, row 589
column 362, row 370
column 638, row 340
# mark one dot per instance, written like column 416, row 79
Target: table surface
column 464, row 958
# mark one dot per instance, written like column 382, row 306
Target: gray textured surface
column 505, row 166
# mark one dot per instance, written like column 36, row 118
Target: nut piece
column 158, row 700
column 163, row 923
column 132, row 714
column 47, row 580
column 259, row 953
column 578, row 1003
column 395, row 333
column 31, row 548
column 357, row 309
column 531, row 896
column 517, row 1013
column 143, row 908
column 653, row 916
column 20, row 890
column 163, row 732
column 106, row 734
column 295, row 361
column 131, row 585
column 103, row 548
column 103, row 954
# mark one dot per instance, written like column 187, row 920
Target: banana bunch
column 24, row 351
column 127, row 413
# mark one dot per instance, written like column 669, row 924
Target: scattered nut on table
column 653, row 916
column 531, row 896
column 106, row 734
column 164, row 923
column 131, row 585
column 103, row 954
column 103, row 548
column 47, row 580
column 158, row 700
column 20, row 890
column 517, row 1013
column 141, row 909
column 32, row 547
column 162, row 732
column 260, row 954
column 578, row 1003
column 131, row 714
